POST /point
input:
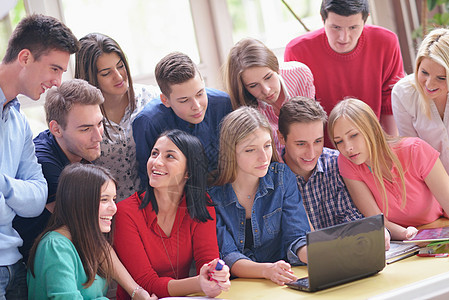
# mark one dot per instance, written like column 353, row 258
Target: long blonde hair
column 380, row 152
column 435, row 46
column 235, row 127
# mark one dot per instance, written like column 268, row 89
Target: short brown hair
column 40, row 34
column 60, row 99
column 174, row 68
column 300, row 110
column 345, row 8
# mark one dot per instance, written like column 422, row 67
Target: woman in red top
column 160, row 232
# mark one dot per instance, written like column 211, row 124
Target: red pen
column 433, row 255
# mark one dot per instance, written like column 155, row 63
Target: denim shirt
column 279, row 221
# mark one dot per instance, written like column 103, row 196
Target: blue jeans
column 13, row 282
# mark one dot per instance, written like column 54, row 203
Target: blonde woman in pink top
column 253, row 77
column 402, row 178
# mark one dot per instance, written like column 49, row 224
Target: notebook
column 400, row 250
column 430, row 235
column 343, row 253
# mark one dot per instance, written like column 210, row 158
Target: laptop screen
column 346, row 252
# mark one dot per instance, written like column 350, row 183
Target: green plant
column 437, row 19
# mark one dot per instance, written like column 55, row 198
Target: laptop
column 343, row 253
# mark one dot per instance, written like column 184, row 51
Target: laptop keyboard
column 303, row 281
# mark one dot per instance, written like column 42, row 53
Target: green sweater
column 59, row 272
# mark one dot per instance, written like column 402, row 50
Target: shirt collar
column 319, row 165
column 265, row 183
column 62, row 153
column 13, row 103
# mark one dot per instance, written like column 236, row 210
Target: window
column 146, row 30
column 271, row 22
column 10, row 14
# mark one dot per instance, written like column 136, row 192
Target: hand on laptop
column 279, row 272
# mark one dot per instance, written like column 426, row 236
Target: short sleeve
column 423, row 157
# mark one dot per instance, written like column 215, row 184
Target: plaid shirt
column 325, row 196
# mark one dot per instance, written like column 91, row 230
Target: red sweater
column 138, row 243
column 368, row 72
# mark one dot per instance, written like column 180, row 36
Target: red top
column 417, row 159
column 367, row 73
column 138, row 242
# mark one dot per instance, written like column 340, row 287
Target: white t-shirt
column 412, row 121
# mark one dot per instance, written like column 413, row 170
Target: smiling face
column 83, row 133
column 188, row 100
column 350, row 141
column 167, row 165
column 432, row 79
column 39, row 75
column 343, row 32
column 112, row 77
column 303, row 146
column 107, row 207
column 263, row 83
column 253, row 154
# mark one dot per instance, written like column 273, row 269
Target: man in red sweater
column 351, row 59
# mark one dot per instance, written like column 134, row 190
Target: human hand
column 410, row 232
column 213, row 282
column 279, row 272
column 387, row 239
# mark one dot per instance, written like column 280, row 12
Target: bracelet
column 135, row 291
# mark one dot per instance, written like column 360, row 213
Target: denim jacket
column 279, row 221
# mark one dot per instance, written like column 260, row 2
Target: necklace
column 177, row 248
column 248, row 196
column 244, row 195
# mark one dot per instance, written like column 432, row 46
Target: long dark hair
column 195, row 187
column 92, row 46
column 77, row 207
